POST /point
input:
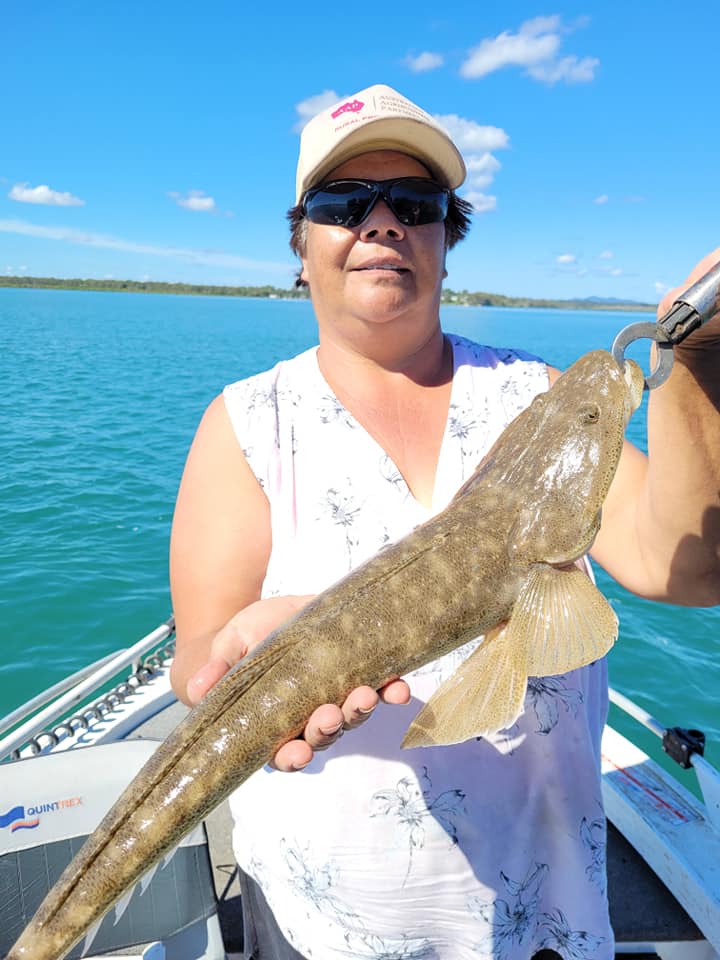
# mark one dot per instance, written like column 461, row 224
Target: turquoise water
column 100, row 394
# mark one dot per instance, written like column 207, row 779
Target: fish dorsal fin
column 250, row 669
column 565, row 619
column 485, row 694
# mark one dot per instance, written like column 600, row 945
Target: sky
column 158, row 140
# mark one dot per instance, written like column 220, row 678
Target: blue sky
column 159, row 140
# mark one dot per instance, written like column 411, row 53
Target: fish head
column 566, row 455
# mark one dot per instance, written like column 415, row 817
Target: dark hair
column 457, row 225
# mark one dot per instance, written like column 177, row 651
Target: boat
column 67, row 753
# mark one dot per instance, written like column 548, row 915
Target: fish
column 500, row 561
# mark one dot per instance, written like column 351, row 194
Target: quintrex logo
column 16, row 820
column 22, row 818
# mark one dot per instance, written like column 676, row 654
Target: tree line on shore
column 449, row 297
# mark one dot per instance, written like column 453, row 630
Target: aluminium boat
column 67, row 753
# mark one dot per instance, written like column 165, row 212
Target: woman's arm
column 219, row 547
column 660, row 534
column 219, row 552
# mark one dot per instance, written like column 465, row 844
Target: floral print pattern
column 512, row 921
column 413, row 808
column 360, row 854
column 593, row 834
column 545, row 696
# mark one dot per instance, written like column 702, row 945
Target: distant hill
column 466, row 298
column 614, row 301
column 449, row 297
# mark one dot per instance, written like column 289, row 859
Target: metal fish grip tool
column 698, row 304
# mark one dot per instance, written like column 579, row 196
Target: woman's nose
column 381, row 222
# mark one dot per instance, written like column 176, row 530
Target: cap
column 377, row 118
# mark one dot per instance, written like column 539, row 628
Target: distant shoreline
column 449, row 297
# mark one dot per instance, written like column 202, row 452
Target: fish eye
column 589, row 413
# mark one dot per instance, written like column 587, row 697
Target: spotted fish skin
column 500, row 553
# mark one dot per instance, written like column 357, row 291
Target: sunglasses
column 346, row 203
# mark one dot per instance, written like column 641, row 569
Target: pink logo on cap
column 352, row 106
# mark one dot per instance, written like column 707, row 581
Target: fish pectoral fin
column 566, row 621
column 485, row 694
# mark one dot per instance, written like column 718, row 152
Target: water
column 100, row 394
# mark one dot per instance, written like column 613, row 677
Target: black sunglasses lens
column 415, row 202
column 343, row 203
column 346, row 203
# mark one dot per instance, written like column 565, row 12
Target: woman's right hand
column 244, row 632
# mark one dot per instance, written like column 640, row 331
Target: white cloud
column 530, row 45
column 661, row 288
column 307, row 109
column 482, row 169
column 473, row 137
column 569, row 69
column 24, row 193
column 566, row 258
column 195, row 200
column 206, row 257
column 606, row 255
column 535, row 47
column 482, row 202
column 424, row 62
column 603, row 198
column 476, row 141
column 616, row 272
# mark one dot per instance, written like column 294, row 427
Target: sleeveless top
column 492, row 848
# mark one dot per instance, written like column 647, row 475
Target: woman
column 295, row 476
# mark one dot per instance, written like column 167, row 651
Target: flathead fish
column 498, row 561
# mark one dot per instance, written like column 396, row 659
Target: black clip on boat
column 690, row 310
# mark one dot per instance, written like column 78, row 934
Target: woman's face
column 381, row 270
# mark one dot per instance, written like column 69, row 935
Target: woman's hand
column 707, row 336
column 244, row 632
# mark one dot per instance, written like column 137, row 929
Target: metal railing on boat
column 684, row 746
column 67, row 693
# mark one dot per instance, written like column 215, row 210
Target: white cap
column 378, row 118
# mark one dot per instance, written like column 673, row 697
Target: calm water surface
column 100, row 394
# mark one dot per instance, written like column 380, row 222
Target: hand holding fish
column 241, row 634
column 660, row 536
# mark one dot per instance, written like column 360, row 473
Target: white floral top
column 485, row 849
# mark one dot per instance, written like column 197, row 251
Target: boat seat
column 48, row 806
